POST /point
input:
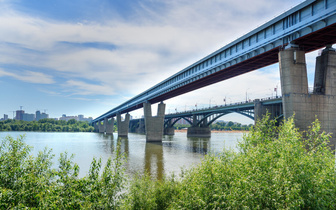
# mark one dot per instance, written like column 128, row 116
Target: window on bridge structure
column 330, row 4
column 253, row 40
column 305, row 13
column 278, row 27
column 260, row 36
column 268, row 32
column 318, row 7
column 285, row 23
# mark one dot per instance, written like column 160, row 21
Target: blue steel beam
column 311, row 25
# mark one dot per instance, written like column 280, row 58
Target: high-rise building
column 28, row 117
column 44, row 115
column 40, row 115
column 5, row 117
column 19, row 114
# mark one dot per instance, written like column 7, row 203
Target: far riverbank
column 213, row 131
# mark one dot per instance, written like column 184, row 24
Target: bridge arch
column 176, row 120
column 244, row 113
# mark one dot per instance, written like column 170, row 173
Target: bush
column 276, row 168
column 30, row 182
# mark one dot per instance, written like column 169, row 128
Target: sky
column 89, row 56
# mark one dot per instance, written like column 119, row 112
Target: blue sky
column 88, row 56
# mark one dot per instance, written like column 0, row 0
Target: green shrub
column 31, row 182
column 276, row 168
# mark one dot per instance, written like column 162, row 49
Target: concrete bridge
column 201, row 119
column 309, row 26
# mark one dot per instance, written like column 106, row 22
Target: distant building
column 44, row 116
column 81, row 117
column 4, row 118
column 67, row 118
column 19, row 114
column 28, row 117
column 78, row 118
column 40, row 116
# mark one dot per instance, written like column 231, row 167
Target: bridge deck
column 311, row 25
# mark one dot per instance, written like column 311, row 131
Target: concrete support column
column 154, row 125
column 110, row 126
column 260, row 110
column 96, row 128
column 199, row 130
column 101, row 127
column 321, row 104
column 169, row 128
column 123, row 125
column 141, row 129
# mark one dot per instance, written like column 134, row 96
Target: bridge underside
column 308, row 43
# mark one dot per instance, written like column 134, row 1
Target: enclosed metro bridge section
column 311, row 25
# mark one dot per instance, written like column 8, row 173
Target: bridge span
column 309, row 26
column 201, row 119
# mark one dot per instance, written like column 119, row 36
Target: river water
column 175, row 152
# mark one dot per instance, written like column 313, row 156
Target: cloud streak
column 29, row 76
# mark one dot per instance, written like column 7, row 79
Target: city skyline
column 89, row 56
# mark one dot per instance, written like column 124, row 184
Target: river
column 175, row 152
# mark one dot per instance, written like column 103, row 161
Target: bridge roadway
column 311, row 25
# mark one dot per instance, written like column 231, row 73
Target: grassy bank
column 275, row 168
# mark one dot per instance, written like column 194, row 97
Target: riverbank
column 213, row 131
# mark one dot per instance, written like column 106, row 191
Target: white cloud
column 29, row 76
column 82, row 88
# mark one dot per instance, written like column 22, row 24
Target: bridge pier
column 123, row 125
column 109, row 125
column 101, row 127
column 201, row 130
column 96, row 128
column 154, row 125
column 137, row 126
column 261, row 109
column 296, row 98
column 169, row 128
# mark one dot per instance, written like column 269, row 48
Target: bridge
column 306, row 27
column 201, row 119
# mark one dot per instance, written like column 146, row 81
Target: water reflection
column 124, row 147
column 107, row 143
column 158, row 159
column 199, row 145
column 154, row 162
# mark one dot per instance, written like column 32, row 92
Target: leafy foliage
column 46, row 125
column 276, row 168
column 31, row 182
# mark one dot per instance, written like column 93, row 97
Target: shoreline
column 213, row 131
